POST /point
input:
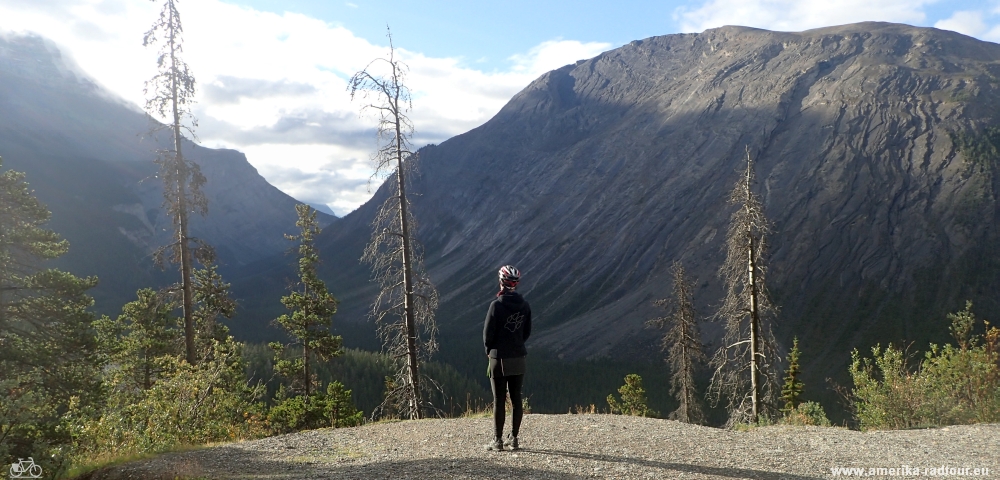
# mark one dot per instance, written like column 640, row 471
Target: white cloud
column 550, row 54
column 993, row 35
column 274, row 86
column 797, row 15
column 968, row 22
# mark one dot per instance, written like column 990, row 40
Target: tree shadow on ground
column 666, row 467
column 242, row 463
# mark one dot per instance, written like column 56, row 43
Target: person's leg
column 514, row 383
column 499, row 384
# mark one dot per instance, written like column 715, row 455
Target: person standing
column 508, row 325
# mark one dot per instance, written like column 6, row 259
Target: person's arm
column 527, row 322
column 489, row 328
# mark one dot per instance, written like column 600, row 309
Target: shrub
column 633, row 398
column 319, row 410
column 952, row 385
column 188, row 405
column 584, row 410
column 807, row 413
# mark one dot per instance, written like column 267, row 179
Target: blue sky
column 487, row 33
column 477, row 30
column 272, row 73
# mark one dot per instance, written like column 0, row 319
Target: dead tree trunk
column 397, row 264
column 182, row 222
column 745, row 363
column 754, row 314
column 170, row 92
column 682, row 341
column 411, row 323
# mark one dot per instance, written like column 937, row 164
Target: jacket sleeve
column 527, row 322
column 489, row 328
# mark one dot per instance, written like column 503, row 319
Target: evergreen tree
column 340, row 409
column 312, row 309
column 682, row 342
column 303, row 405
column 211, row 296
column 48, row 353
column 745, row 363
column 633, row 398
column 156, row 399
column 170, row 93
column 791, row 391
column 138, row 339
column 406, row 293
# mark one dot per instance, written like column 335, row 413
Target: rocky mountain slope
column 598, row 175
column 89, row 157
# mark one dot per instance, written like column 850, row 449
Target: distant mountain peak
column 89, row 156
column 322, row 208
column 40, row 60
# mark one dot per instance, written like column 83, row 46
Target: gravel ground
column 578, row 446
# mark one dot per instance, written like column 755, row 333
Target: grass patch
column 86, row 469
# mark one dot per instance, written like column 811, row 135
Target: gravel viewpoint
column 585, row 446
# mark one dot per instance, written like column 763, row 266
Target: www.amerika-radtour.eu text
column 908, row 471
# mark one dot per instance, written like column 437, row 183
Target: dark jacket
column 508, row 325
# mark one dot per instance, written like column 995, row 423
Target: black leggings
column 501, row 385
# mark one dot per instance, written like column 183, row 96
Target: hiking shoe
column 511, row 442
column 496, row 445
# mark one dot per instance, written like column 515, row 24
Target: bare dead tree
column 746, row 362
column 682, row 342
column 406, row 302
column 169, row 96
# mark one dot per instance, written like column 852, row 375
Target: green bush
column 952, row 385
column 806, row 413
column 188, row 405
column 633, row 398
column 319, row 410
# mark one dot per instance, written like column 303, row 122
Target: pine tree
column 340, row 409
column 48, row 353
column 211, row 296
column 791, row 391
column 682, row 342
column 302, row 404
column 312, row 309
column 744, row 364
column 406, row 293
column 633, row 398
column 137, row 341
column 169, row 96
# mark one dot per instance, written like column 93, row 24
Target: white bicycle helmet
column 509, row 276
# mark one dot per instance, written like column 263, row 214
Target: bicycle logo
column 25, row 469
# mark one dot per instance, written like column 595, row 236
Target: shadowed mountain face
column 598, row 175
column 90, row 160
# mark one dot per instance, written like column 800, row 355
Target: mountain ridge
column 89, row 156
column 599, row 174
